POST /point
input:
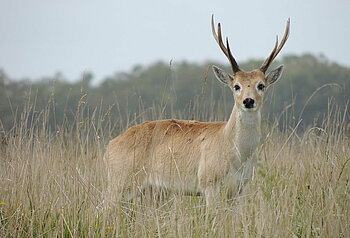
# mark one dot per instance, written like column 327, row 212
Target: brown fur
column 157, row 149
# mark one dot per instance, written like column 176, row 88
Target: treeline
column 309, row 89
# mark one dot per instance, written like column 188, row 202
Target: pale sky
column 41, row 37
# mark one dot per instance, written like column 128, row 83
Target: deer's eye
column 261, row 86
column 237, row 87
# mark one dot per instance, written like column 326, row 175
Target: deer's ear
column 274, row 75
column 221, row 75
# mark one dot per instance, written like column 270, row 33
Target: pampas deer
column 194, row 156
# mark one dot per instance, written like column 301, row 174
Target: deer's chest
column 245, row 144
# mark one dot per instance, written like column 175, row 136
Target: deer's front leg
column 212, row 195
column 209, row 181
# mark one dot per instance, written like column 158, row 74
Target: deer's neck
column 242, row 131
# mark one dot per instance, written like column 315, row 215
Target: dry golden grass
column 52, row 184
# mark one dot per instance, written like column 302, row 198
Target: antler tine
column 225, row 50
column 234, row 64
column 285, row 37
column 270, row 58
column 218, row 37
column 276, row 49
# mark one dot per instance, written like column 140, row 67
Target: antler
column 276, row 49
column 225, row 49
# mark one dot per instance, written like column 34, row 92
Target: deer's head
column 248, row 87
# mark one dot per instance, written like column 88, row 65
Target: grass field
column 52, row 184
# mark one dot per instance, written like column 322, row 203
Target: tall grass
column 52, row 184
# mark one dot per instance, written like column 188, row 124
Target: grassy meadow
column 52, row 184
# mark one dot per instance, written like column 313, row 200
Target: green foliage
column 308, row 88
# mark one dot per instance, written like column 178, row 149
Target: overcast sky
column 41, row 37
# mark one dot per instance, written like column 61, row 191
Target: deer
column 193, row 156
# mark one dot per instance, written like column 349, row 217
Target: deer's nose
column 248, row 103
